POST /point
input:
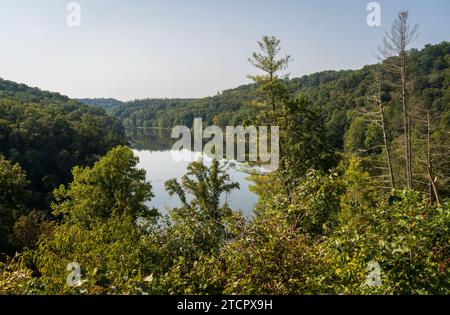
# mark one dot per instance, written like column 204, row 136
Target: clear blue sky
column 190, row 48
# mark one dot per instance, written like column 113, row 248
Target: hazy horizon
column 174, row 49
column 199, row 97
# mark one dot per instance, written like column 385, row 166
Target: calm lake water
column 153, row 147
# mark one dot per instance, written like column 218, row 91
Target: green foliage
column 29, row 228
column 339, row 97
column 183, row 250
column 305, row 141
column 355, row 137
column 206, row 185
column 48, row 134
column 401, row 232
column 100, row 230
column 269, row 257
column 108, row 253
column 404, row 235
column 113, row 186
column 333, row 93
column 178, row 250
column 105, row 103
column 270, row 85
column 14, row 279
column 13, row 193
column 319, row 241
column 361, row 191
column 319, row 237
column 314, row 203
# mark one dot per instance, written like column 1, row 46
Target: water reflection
column 150, row 139
column 153, row 147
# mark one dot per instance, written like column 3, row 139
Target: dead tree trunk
column 406, row 120
column 432, row 189
column 394, row 49
column 383, row 126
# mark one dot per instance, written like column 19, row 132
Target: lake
column 153, row 147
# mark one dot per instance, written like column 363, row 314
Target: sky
column 190, row 48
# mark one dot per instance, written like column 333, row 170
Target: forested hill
column 48, row 134
column 105, row 103
column 334, row 93
column 26, row 94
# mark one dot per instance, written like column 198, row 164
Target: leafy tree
column 100, row 230
column 48, row 134
column 306, row 141
column 177, row 249
column 14, row 279
column 13, row 193
column 269, row 82
column 355, row 137
column 113, row 186
column 206, row 185
column 336, row 96
column 108, row 253
column 268, row 257
column 272, row 87
column 394, row 47
column 404, row 235
column 197, row 232
column 29, row 228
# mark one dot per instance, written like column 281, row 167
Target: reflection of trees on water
column 152, row 139
column 159, row 139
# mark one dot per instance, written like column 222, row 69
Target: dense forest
column 334, row 93
column 344, row 101
column 47, row 135
column 107, row 104
column 359, row 205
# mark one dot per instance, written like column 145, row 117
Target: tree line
column 45, row 135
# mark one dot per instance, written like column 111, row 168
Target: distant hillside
column 48, row 134
column 335, row 94
column 105, row 103
column 24, row 93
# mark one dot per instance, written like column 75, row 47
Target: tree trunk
column 406, row 127
column 383, row 126
column 386, row 145
column 431, row 183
